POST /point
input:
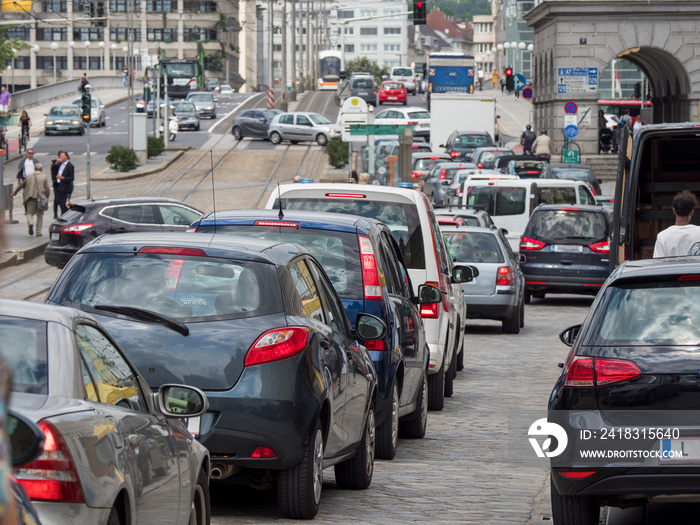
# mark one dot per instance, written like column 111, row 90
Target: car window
column 392, row 85
column 497, row 201
column 247, row 114
column 24, row 349
column 287, row 119
column 419, row 115
column 258, row 114
column 335, row 313
column 570, row 173
column 556, row 195
column 585, row 196
column 270, row 113
column 426, row 164
column 177, row 215
column 111, row 375
column 363, row 83
column 572, row 227
column 397, row 274
column 472, row 141
column 302, row 120
column 184, row 107
column 383, row 114
column 474, row 247
column 135, row 214
column 319, row 119
column 199, row 97
column 443, row 258
column 307, row 289
column 402, row 72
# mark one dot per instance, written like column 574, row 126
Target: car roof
column 410, row 108
column 41, row 311
column 469, row 229
column 527, row 182
column 429, row 155
column 200, row 93
column 571, row 165
column 129, row 200
column 571, row 207
column 389, row 193
column 470, row 132
column 655, row 268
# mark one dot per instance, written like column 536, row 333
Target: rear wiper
column 145, row 315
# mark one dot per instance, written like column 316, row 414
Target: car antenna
column 280, row 215
column 213, row 193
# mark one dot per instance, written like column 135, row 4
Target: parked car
column 226, row 90
column 187, row 115
column 98, row 112
column 64, row 119
column 460, row 144
column 411, row 219
column 112, row 446
column 524, row 166
column 290, row 389
column 204, row 102
column 366, row 267
column 498, row 292
column 363, row 87
column 423, row 163
column 410, row 116
column 406, row 76
column 253, row 123
column 584, row 172
column 632, row 365
column 302, row 126
column 87, row 220
column 565, row 249
column 485, row 158
column 392, row 92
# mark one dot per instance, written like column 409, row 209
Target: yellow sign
column 16, row 6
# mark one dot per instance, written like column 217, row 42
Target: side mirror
column 369, row 327
column 181, row 401
column 429, row 294
column 464, row 273
column 26, row 439
column 504, row 231
column 569, row 335
column 446, row 182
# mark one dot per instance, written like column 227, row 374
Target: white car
column 302, row 127
column 411, row 219
column 405, row 75
column 415, row 116
column 226, row 90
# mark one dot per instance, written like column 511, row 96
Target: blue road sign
column 577, row 80
column 527, row 93
column 571, row 131
column 570, row 108
column 518, row 82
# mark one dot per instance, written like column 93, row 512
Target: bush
column 155, row 146
column 120, row 158
column 337, row 151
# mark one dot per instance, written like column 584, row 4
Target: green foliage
column 365, row 64
column 223, row 21
column 337, row 152
column 213, row 62
column 155, row 146
column 122, row 159
column 7, row 44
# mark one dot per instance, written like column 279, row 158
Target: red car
column 392, row 91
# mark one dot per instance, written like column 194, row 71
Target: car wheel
column 388, row 431
column 213, row 116
column 538, row 295
column 47, row 134
column 104, row 122
column 275, row 138
column 115, row 517
column 299, row 487
column 196, row 128
column 356, row 472
column 237, row 133
column 436, row 389
column 574, row 510
column 405, row 102
column 450, row 375
column 527, row 297
column 82, row 131
column 415, row 427
column 460, row 360
column 522, row 315
column 294, row 141
column 200, row 513
column 512, row 324
column 321, row 139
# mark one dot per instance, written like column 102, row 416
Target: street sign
column 571, row 131
column 570, row 120
column 577, row 80
column 571, row 156
column 518, row 82
column 527, row 93
column 570, row 108
column 378, row 129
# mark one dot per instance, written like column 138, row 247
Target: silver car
column 204, row 102
column 98, row 112
column 440, row 180
column 114, row 452
column 302, row 126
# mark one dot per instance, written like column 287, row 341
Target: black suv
column 461, row 144
column 364, row 87
column 565, row 249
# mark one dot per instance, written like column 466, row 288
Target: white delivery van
column 458, row 111
column 510, row 202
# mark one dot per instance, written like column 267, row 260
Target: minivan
column 364, row 87
column 405, row 75
column 510, row 202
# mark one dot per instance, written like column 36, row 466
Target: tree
column 7, row 45
column 366, row 65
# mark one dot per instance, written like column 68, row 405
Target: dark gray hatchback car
column 565, row 249
column 253, row 123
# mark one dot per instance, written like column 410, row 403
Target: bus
column 184, row 76
column 330, row 64
column 617, row 107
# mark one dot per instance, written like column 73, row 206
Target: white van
column 510, row 202
column 406, row 75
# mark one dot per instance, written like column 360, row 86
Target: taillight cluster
column 504, row 276
column 600, row 247
column 415, row 175
column 442, row 174
column 430, row 311
column 277, row 344
column 370, row 273
column 454, row 154
column 592, row 371
column 77, row 229
column 531, row 244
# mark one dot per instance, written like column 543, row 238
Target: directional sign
column 378, row 129
column 571, row 156
column 577, row 80
column 527, row 93
column 570, row 108
column 571, row 131
column 518, row 82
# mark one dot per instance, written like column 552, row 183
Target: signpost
column 571, row 156
column 571, row 131
column 570, row 108
column 577, row 80
column 527, row 93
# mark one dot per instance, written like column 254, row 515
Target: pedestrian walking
column 542, row 147
column 494, row 78
column 626, row 118
column 63, row 186
column 503, row 85
column 677, row 240
column 616, row 133
column 26, row 167
column 84, row 81
column 125, row 76
column 5, row 99
column 480, row 76
column 35, row 194
column 526, row 139
column 638, row 124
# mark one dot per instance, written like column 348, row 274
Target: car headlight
column 209, row 108
column 76, row 122
column 49, row 122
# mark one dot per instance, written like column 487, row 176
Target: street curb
column 139, row 174
column 13, row 258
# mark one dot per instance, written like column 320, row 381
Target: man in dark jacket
column 526, row 139
column 65, row 173
column 26, row 166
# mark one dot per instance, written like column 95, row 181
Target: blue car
column 367, row 270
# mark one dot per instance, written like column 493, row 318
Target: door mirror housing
column 181, row 401
column 463, row 273
column 569, row 335
column 369, row 328
column 26, row 439
column 429, row 294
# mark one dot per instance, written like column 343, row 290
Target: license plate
column 193, row 425
column 392, row 98
column 62, row 128
column 688, row 448
column 567, row 248
column 53, row 236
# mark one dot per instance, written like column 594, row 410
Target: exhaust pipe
column 220, row 471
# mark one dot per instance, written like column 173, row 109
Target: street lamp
column 499, row 48
column 87, row 54
column 34, row 49
column 521, row 47
column 54, row 46
column 506, row 46
column 14, row 54
column 71, row 57
column 113, row 47
column 126, row 63
column 102, row 55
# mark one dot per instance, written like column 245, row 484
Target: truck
column 449, row 73
column 184, row 76
column 460, row 111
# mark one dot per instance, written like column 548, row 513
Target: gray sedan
column 98, row 112
column 441, row 178
column 302, row 126
column 204, row 102
column 114, row 452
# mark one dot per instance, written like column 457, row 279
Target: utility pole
column 301, row 46
column 270, row 54
column 127, row 59
column 309, row 68
column 284, row 106
column 293, row 95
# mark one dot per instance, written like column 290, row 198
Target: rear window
column 497, row 201
column 338, row 252
column 570, row 174
column 572, row 227
column 179, row 287
column 554, row 195
column 426, row 164
column 364, row 83
column 393, row 85
column 402, row 72
column 73, row 215
column 474, row 247
column 419, row 115
column 473, row 141
column 24, row 350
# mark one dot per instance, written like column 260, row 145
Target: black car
column 565, row 249
column 87, row 220
column 354, row 252
column 364, row 87
column 259, row 328
column 524, row 166
column 627, row 397
column 584, row 172
column 253, row 123
column 460, row 144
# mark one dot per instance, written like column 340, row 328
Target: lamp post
column 35, row 49
column 521, row 47
column 530, row 47
column 113, row 47
column 71, row 59
column 101, row 45
column 506, row 46
column 87, row 54
column 514, row 47
column 14, row 54
column 54, row 46
column 499, row 48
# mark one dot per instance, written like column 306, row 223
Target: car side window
column 307, row 289
column 383, row 114
column 303, row 121
column 585, row 195
column 396, row 114
column 177, row 215
column 506, row 244
column 439, row 240
column 336, row 313
column 113, row 380
column 396, row 274
column 258, row 115
column 247, row 114
column 286, row 119
column 136, row 214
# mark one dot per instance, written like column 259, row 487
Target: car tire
column 294, row 141
column 527, row 297
column 436, row 390
column 47, row 134
column 405, row 102
column 275, row 138
column 115, row 517
column 81, row 132
column 200, row 512
column 213, row 116
column 299, row 487
column 196, row 128
column 512, row 324
column 356, row 473
column 237, row 133
column 460, row 360
column 388, row 431
column 321, row 139
column 417, row 423
column 574, row 510
column 450, row 375
column 538, row 295
column 104, row 122
column 522, row 315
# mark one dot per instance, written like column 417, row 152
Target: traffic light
column 419, row 11
column 509, row 79
column 85, row 107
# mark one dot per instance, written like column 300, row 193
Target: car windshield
column 648, row 314
column 392, row 85
column 403, row 72
column 570, row 227
column 363, row 83
column 24, row 349
column 184, row 107
column 497, row 201
column 199, row 97
column 176, row 286
column 474, row 247
column 270, row 113
column 319, row 119
column 473, row 141
column 419, row 115
column 64, row 111
column 426, row 164
column 570, row 173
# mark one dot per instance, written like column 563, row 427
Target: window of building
column 43, row 62
column 161, row 6
column 162, row 35
column 88, row 33
column 346, row 14
column 119, row 6
column 276, row 64
column 55, row 6
column 20, row 33
column 52, row 34
column 193, row 34
column 195, row 6
column 120, row 33
column 349, row 48
column 277, row 47
column 368, row 47
column 392, row 30
column 19, row 63
column 392, row 47
column 368, row 12
column 79, row 62
column 368, row 31
column 348, row 31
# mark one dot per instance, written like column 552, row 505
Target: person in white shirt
column 678, row 239
column 480, row 76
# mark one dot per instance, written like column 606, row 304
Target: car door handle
column 325, row 344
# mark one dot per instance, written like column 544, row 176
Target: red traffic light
column 509, row 71
column 419, row 4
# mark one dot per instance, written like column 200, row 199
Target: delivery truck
column 449, row 73
column 461, row 112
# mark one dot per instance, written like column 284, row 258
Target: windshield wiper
column 145, row 315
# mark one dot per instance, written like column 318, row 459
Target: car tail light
column 532, row 172
column 378, row 345
column 454, row 154
column 277, row 344
column 569, row 209
column 52, row 476
column 458, row 191
column 430, row 311
column 591, row 371
column 480, row 165
column 77, row 229
column 263, row 453
column 165, row 250
column 600, row 247
column 347, row 195
column 578, row 474
column 370, row 273
column 504, row 276
column 412, row 123
column 192, row 229
column 689, row 278
column 531, row 244
column 280, row 224
column 415, row 175
column 442, row 175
